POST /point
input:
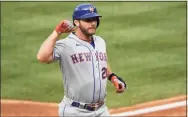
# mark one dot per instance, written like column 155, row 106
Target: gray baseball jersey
column 83, row 67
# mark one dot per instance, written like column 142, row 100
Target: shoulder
column 60, row 41
column 64, row 41
column 99, row 39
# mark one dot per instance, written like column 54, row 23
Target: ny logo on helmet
column 91, row 9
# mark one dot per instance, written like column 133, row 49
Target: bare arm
column 109, row 70
column 118, row 82
column 120, row 86
column 45, row 53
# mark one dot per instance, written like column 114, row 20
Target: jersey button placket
column 95, row 73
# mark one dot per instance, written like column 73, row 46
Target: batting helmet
column 84, row 11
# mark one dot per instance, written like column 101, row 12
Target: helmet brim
column 89, row 15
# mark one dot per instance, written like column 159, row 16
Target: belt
column 90, row 107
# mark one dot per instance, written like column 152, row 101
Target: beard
column 86, row 31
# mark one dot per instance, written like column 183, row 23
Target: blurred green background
column 146, row 45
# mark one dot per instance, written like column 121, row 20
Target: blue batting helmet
column 84, row 11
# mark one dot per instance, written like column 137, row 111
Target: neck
column 82, row 36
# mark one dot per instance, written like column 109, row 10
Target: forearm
column 118, row 82
column 45, row 52
column 110, row 74
column 109, row 70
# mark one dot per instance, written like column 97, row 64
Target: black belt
column 90, row 107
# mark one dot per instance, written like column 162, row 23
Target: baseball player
column 84, row 64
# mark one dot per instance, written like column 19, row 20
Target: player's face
column 88, row 26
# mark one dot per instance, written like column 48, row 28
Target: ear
column 76, row 22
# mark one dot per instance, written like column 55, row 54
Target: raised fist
column 64, row 26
